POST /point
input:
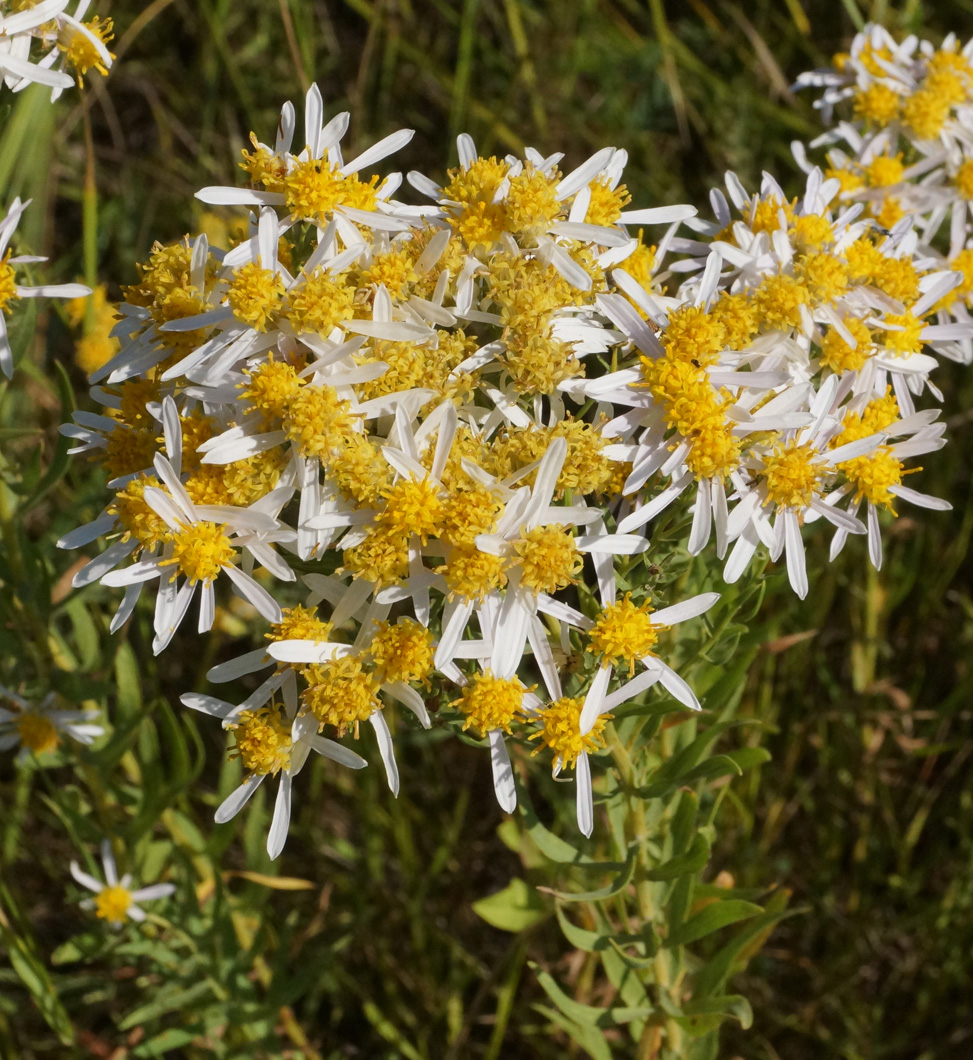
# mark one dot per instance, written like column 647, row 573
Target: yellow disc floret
column 340, row 693
column 37, row 732
column 561, row 731
column 472, row 574
column 793, row 475
column 113, row 903
column 623, row 632
column 263, row 740
column 491, row 703
column 403, row 652
column 255, row 295
column 200, row 552
column 548, row 558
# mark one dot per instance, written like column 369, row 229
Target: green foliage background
column 365, row 942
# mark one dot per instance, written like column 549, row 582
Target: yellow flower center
column 606, row 205
column 263, row 740
column 877, row 104
column 623, row 631
column 340, row 693
column 135, row 516
column 112, row 903
column 412, row 508
column 470, row 512
column 383, row 557
column 319, row 304
column 812, row 230
column 561, row 731
column 402, row 652
column 317, row 421
column 313, row 190
column 693, row 335
column 37, row 732
column 200, row 551
column 472, row 574
column 8, row 285
column 837, row 355
column 714, row 451
column 395, row 269
column 925, row 113
column 549, row 559
column 873, row 475
column 884, row 171
column 531, row 204
column 778, row 302
column 255, row 296
column 897, row 277
column 824, row 275
column 271, row 389
column 127, row 451
column 908, row 340
column 300, row 623
column 78, row 50
column 491, row 703
column 964, row 179
column 792, row 477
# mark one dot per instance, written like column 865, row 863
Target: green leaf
column 716, row 915
column 171, row 998
column 621, row 881
column 159, row 1044
column 25, row 961
column 58, row 466
column 702, row 1016
column 515, row 908
column 551, row 846
column 589, row 1038
column 686, row 864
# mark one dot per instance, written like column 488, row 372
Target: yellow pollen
column 606, row 204
column 200, row 551
column 8, row 284
column 340, row 693
column 530, row 203
column 264, row 167
column 314, row 190
column 693, row 335
column 623, row 632
column 79, row 51
column 37, row 732
column 898, row 278
column 561, row 731
column 548, row 558
column 889, row 212
column 877, row 104
column 403, row 652
column 255, row 296
column 925, row 113
column 714, row 451
column 300, row 623
column 263, row 740
column 824, row 275
column 383, row 557
column 318, row 422
column 319, row 304
column 837, row 355
column 112, row 903
column 964, row 179
column 412, row 508
column 472, row 574
column 812, row 230
column 792, row 477
column 884, row 171
column 738, row 317
column 908, row 340
column 136, row 518
column 491, row 703
column 873, row 475
column 395, row 269
column 468, row 513
column 480, row 182
column 778, row 300
column 271, row 389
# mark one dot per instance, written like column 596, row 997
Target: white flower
column 114, row 901
column 10, row 289
column 39, row 728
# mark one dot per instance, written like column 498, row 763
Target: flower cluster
column 904, row 144
column 69, row 46
column 453, row 423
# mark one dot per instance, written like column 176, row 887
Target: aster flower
column 10, row 290
column 39, row 727
column 114, row 899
